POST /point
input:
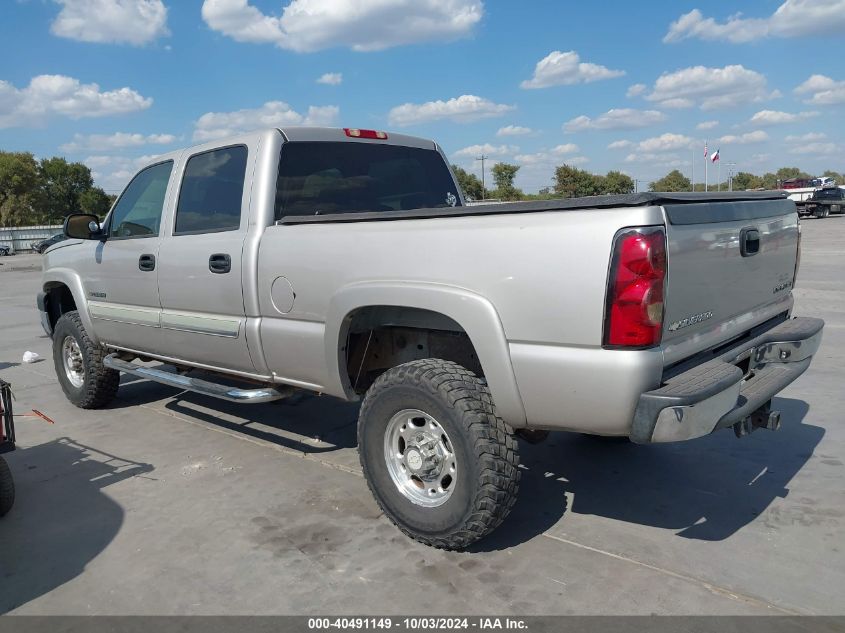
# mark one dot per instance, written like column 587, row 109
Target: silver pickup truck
column 345, row 262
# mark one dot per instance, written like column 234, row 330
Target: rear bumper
column 718, row 393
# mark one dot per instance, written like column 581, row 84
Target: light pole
column 731, row 176
column 482, row 158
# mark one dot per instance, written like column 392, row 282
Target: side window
column 211, row 192
column 138, row 212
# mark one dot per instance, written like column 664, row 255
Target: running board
column 204, row 387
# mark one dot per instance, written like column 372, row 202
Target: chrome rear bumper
column 729, row 389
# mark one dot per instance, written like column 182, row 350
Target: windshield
column 317, row 178
column 828, row 193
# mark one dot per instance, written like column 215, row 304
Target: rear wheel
column 7, row 488
column 86, row 381
column 439, row 461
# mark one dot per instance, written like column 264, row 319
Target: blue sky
column 605, row 85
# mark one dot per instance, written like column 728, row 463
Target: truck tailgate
column 731, row 266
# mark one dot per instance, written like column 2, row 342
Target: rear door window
column 317, row 178
column 212, row 191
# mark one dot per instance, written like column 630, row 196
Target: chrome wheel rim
column 420, row 458
column 73, row 362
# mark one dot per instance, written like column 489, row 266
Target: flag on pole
column 705, row 149
column 715, row 157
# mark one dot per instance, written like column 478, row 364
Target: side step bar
column 204, row 387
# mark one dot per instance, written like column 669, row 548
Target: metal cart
column 7, row 444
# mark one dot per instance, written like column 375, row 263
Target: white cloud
column 812, row 144
column 514, row 130
column 636, row 90
column 214, row 125
column 461, row 109
column 776, row 117
column 707, row 125
column 330, row 79
column 666, row 143
column 793, row 18
column 711, row 88
column 553, row 157
column 805, row 138
column 562, row 69
column 111, row 21
column 822, row 90
column 757, row 136
column 112, row 173
column 363, row 25
column 615, row 119
column 487, row 149
column 656, row 159
column 623, row 144
column 118, row 140
column 48, row 96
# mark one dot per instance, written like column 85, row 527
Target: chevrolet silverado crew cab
column 345, row 262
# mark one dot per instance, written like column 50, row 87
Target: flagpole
column 692, row 179
column 705, row 169
column 720, row 172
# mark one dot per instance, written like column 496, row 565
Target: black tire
column 99, row 385
column 7, row 488
column 487, row 476
column 819, row 213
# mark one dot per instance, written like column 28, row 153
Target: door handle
column 147, row 262
column 220, row 263
column 749, row 242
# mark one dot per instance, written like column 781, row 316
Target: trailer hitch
column 762, row 418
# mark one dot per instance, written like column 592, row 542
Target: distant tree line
column 743, row 180
column 45, row 191
column 569, row 182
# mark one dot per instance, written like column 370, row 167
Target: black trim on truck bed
column 681, row 203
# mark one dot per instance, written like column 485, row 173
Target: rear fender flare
column 475, row 314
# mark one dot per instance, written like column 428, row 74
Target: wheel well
column 58, row 300
column 380, row 337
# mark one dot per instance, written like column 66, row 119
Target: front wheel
column 439, row 461
column 86, row 381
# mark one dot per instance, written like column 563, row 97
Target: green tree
column 617, row 182
column 744, row 180
column 785, row 173
column 96, row 201
column 503, row 176
column 469, row 183
column 571, row 182
column 673, row 181
column 20, row 192
column 769, row 180
column 62, row 184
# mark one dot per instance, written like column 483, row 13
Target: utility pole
column 482, row 158
column 731, row 176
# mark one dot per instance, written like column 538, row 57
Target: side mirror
column 82, row 226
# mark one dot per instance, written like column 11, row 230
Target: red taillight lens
column 634, row 316
column 356, row 133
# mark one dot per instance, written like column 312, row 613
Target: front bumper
column 729, row 389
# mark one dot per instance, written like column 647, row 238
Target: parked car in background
column 5, row 249
column 43, row 245
column 823, row 202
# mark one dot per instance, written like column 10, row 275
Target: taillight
column 797, row 257
column 634, row 314
column 356, row 133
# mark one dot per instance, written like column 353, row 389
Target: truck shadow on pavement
column 706, row 489
column 61, row 520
